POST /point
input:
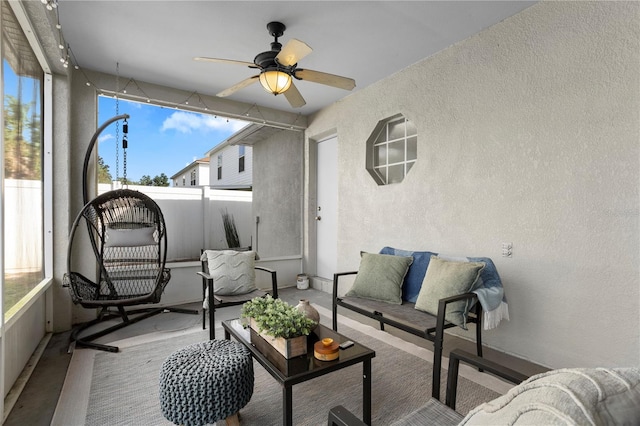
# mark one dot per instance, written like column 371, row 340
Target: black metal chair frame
column 432, row 334
column 218, row 301
column 138, row 277
column 340, row 416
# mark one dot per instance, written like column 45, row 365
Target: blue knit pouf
column 206, row 382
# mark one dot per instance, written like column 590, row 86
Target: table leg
column 287, row 406
column 366, row 391
column 227, row 335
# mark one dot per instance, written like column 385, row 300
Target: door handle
column 318, row 218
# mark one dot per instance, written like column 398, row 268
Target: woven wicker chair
column 127, row 234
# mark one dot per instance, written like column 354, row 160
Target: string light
column 50, row 4
column 68, row 56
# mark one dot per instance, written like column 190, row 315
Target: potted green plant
column 280, row 324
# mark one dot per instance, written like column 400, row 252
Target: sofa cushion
column 444, row 279
column 380, row 277
column 567, row 396
column 232, row 271
column 415, row 275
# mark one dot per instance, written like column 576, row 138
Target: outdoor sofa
column 424, row 294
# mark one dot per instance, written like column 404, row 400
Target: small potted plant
column 280, row 324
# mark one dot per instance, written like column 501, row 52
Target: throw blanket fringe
column 491, row 294
column 492, row 318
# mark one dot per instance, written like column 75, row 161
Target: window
column 22, row 140
column 193, row 177
column 240, row 158
column 392, row 149
column 219, row 166
column 184, row 180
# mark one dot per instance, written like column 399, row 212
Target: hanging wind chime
column 125, row 131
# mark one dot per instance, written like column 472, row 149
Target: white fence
column 193, row 217
column 23, row 225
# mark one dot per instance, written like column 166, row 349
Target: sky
column 161, row 139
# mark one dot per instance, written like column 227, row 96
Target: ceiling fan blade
column 326, row 78
column 244, row 83
column 294, row 97
column 292, row 52
column 225, row 61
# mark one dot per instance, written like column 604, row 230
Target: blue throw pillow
column 417, row 270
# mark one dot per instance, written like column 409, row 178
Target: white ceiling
column 155, row 41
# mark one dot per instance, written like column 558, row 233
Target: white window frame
column 381, row 139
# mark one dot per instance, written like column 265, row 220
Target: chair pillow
column 380, row 277
column 445, row 279
column 135, row 237
column 415, row 275
column 232, row 271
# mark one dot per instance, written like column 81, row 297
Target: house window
column 240, row 158
column 193, row 177
column 392, row 150
column 184, row 181
column 219, row 166
column 23, row 182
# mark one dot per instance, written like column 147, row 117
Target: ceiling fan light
column 275, row 81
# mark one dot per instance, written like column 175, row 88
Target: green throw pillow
column 380, row 277
column 444, row 279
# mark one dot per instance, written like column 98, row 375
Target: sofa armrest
column 336, row 279
column 334, row 297
column 458, row 355
column 340, row 416
column 274, row 279
column 442, row 306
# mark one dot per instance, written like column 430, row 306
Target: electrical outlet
column 507, row 249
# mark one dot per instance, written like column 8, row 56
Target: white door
column 327, row 208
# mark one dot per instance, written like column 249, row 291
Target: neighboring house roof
column 202, row 161
column 248, row 135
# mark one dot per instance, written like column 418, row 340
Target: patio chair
column 603, row 396
column 435, row 412
column 127, row 235
column 228, row 279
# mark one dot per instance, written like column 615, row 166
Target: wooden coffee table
column 289, row 372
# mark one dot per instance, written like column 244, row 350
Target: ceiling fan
column 279, row 66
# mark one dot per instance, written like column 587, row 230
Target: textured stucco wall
column 277, row 188
column 528, row 133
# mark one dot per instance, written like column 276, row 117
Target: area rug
column 124, row 386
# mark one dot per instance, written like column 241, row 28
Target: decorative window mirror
column 392, row 149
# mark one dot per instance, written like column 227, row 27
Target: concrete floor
column 37, row 403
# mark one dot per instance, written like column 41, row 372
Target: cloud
column 105, row 138
column 186, row 122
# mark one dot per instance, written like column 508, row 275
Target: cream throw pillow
column 444, row 279
column 232, row 271
column 380, row 277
